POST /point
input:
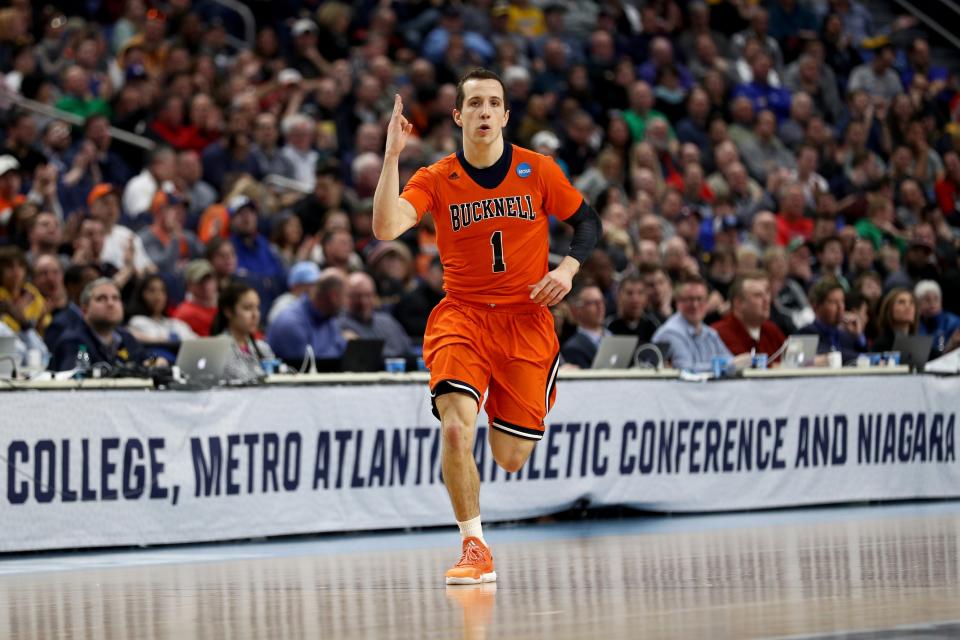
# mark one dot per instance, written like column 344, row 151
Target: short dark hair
column 822, row 289
column 11, row 255
column 480, row 73
column 825, row 241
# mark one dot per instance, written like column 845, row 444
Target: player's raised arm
column 392, row 215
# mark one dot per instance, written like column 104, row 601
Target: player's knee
column 457, row 436
column 511, row 460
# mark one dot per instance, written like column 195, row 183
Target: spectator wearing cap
column 158, row 174
column 200, row 306
column 934, row 321
column 118, row 240
column 363, row 317
column 692, row 343
column 166, row 241
column 300, row 282
column 747, row 328
column 312, row 321
column 828, row 302
column 306, row 56
column 256, row 261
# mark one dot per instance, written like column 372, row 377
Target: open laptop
column 202, row 360
column 363, row 354
column 914, row 350
column 615, row 352
column 8, row 354
column 800, row 351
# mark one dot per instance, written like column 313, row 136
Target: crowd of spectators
column 761, row 169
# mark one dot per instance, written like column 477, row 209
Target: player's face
column 483, row 116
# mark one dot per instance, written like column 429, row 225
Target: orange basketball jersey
column 493, row 241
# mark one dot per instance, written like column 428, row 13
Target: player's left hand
column 552, row 288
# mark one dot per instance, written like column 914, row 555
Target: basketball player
column 493, row 332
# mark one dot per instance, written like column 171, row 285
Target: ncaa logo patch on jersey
column 524, row 170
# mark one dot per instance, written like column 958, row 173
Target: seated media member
column 748, row 328
column 312, row 320
column 898, row 315
column 238, row 317
column 364, row 319
column 693, row 344
column 632, row 317
column 827, row 298
column 589, row 310
column 100, row 334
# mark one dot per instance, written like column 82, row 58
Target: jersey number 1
column 497, row 241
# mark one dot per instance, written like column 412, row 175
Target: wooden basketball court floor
column 853, row 572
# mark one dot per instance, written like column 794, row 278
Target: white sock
column 471, row 528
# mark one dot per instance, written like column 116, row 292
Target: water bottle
column 82, row 364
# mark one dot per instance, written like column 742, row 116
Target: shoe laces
column 472, row 555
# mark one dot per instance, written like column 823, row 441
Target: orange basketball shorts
column 509, row 352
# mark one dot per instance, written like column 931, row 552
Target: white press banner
column 109, row 468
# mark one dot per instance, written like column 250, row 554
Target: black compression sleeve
column 586, row 232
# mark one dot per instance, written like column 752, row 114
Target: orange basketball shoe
column 475, row 566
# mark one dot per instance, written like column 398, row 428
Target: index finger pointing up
column 397, row 104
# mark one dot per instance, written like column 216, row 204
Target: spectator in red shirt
column 748, row 326
column 791, row 221
column 200, row 307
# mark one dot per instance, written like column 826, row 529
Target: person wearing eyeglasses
column 694, row 345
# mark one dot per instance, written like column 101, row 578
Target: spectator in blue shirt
column 257, row 263
column 312, row 320
column 694, row 344
column 827, row 298
column 761, row 93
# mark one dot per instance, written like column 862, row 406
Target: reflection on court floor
column 760, row 575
